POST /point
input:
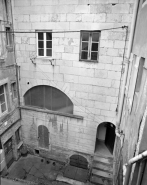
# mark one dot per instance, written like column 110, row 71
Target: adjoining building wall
column 9, row 112
column 133, row 123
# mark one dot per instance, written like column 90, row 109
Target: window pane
column 1, row 89
column 59, row 100
column 94, row 55
column 40, row 44
column 85, row 46
column 49, row 52
column 49, row 36
column 95, row 37
column 85, row 36
column 3, row 107
column 84, row 55
column 41, row 52
column 40, row 36
column 48, row 44
column 37, row 96
column 2, row 98
column 48, row 97
column 94, row 47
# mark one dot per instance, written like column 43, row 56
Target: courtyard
column 44, row 171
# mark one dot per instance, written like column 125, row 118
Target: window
column 14, row 90
column 137, row 91
column 44, row 44
column 48, row 97
column 8, row 36
column 6, row 8
column 3, row 101
column 89, row 45
column 17, row 135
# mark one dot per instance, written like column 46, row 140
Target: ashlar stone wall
column 93, row 87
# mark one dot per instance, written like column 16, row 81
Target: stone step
column 102, row 173
column 100, row 181
column 102, row 166
column 103, row 160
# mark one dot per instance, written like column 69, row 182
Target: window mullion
column 45, row 44
column 89, row 49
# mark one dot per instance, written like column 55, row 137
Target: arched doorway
column 79, row 161
column 105, row 138
column 43, row 137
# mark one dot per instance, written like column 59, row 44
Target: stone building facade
column 10, row 139
column 51, row 52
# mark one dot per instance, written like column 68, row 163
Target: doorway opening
column 105, row 139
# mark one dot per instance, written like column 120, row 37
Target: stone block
column 82, row 95
column 87, row 103
column 43, row 2
column 59, row 48
column 68, row 2
column 67, row 56
column 103, row 82
column 113, row 107
column 87, row 17
column 115, row 84
column 108, row 113
column 26, row 18
column 65, row 9
column 45, row 18
column 127, row 18
column 117, row 60
column 114, row 75
column 76, row 49
column 24, row 26
column 32, row 41
column 111, row 99
column 100, row 8
column 112, row 67
column 112, row 52
column 105, row 59
column 106, row 43
column 102, row 105
column 121, row 8
column 35, row 18
column 99, row 17
column 71, row 78
column 74, row 17
column 114, row 18
column 119, row 44
column 96, row 97
column 100, row 73
column 82, row 9
column 22, row 3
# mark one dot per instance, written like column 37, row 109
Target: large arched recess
column 105, row 138
column 48, row 97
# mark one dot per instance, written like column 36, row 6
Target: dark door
column 8, row 152
column 78, row 161
column 110, row 137
column 43, row 137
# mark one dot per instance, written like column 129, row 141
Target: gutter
column 120, row 106
column 130, row 163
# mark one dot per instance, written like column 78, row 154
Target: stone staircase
column 102, row 170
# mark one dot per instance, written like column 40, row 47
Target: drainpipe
column 120, row 106
column 16, row 66
column 130, row 163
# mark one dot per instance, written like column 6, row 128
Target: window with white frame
column 3, row 100
column 44, row 44
column 8, row 36
column 89, row 46
column 14, row 90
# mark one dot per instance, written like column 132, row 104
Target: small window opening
column 36, row 151
column 14, row 90
column 8, row 36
